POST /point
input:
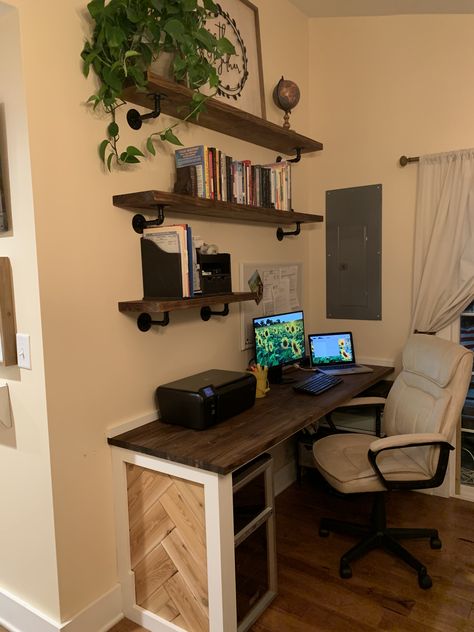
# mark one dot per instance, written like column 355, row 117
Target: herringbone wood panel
column 383, row 594
column 168, row 547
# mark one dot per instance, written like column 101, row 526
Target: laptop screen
column 331, row 349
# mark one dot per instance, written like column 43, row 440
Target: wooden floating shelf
column 148, row 201
column 154, row 306
column 221, row 117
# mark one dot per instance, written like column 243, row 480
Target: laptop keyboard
column 317, row 383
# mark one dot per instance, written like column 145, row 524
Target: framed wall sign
column 3, row 182
column 241, row 75
column 7, row 315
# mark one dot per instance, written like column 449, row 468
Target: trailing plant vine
column 128, row 35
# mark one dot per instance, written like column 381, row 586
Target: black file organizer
column 161, row 272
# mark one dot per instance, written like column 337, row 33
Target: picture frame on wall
column 3, row 182
column 3, row 203
column 240, row 75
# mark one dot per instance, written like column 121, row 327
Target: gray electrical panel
column 354, row 253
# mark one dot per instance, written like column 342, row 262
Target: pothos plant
column 128, row 35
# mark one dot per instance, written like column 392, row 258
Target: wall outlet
column 23, row 351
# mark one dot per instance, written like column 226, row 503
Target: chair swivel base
column 378, row 535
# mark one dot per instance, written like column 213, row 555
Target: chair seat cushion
column 343, row 461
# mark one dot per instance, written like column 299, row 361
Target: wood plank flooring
column 383, row 593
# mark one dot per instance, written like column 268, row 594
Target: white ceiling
column 346, row 8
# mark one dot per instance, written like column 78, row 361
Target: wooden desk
column 174, row 509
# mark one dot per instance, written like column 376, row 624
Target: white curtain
column 443, row 271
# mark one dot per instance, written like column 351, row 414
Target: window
column 467, row 415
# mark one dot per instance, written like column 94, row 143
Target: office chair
column 421, row 413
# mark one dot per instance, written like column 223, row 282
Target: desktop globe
column 286, row 96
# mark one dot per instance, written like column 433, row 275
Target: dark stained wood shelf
column 232, row 443
column 154, row 306
column 221, row 117
column 148, row 201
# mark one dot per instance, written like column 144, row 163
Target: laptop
column 334, row 353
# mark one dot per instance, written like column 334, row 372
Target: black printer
column 204, row 399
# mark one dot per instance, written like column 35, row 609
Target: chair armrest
column 364, row 401
column 397, row 442
column 406, row 440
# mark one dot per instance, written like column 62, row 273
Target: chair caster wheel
column 323, row 533
column 424, row 580
column 435, row 543
column 345, row 571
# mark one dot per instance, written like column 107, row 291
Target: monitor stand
column 275, row 376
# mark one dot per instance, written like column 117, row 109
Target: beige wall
column 380, row 88
column 100, row 370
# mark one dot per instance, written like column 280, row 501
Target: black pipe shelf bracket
column 135, row 119
column 139, row 222
column 297, row 158
column 145, row 321
column 281, row 233
column 207, row 312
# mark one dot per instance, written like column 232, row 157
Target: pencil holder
column 262, row 381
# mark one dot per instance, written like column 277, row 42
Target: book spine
column 228, row 161
column 212, row 190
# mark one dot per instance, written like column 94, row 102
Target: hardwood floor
column 383, row 593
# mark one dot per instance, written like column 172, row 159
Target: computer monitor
column 279, row 341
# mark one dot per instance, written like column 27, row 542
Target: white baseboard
column 18, row 616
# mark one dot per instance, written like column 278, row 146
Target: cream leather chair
column 421, row 413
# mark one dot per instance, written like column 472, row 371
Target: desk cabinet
column 178, row 562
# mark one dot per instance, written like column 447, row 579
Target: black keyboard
column 317, row 383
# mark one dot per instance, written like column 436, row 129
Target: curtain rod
column 404, row 160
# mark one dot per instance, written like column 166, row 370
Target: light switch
column 23, row 351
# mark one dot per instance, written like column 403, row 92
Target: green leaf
column 113, row 129
column 171, row 138
column 175, row 28
column 131, row 53
column 134, row 151
column 210, row 6
column 157, row 4
column 198, row 97
column 102, row 148
column 225, row 47
column 150, row 146
column 130, row 159
column 133, row 15
column 115, row 36
column 96, row 8
column 207, row 39
column 213, row 78
column 109, row 161
column 113, row 80
column 189, row 5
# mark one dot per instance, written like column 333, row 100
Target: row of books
column 178, row 239
column 207, row 172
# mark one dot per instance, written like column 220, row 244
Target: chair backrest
column 429, row 393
